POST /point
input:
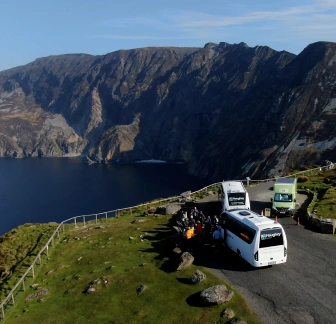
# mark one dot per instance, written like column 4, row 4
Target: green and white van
column 284, row 199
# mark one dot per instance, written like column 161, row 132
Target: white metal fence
column 105, row 215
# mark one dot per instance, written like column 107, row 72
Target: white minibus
column 255, row 238
column 233, row 195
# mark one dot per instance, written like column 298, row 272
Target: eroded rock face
column 216, row 295
column 190, row 105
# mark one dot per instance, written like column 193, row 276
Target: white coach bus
column 233, row 195
column 255, row 238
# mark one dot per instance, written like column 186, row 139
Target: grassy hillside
column 18, row 249
column 116, row 257
column 323, row 184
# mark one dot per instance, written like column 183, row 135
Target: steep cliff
column 226, row 110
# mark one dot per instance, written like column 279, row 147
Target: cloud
column 289, row 26
column 199, row 20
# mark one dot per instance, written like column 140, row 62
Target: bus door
column 272, row 246
column 223, row 227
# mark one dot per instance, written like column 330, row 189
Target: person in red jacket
column 199, row 228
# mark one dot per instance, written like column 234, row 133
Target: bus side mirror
column 272, row 199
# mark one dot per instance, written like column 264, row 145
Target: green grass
column 214, row 189
column 18, row 248
column 323, row 184
column 86, row 254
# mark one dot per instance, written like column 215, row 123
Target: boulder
column 197, row 277
column 228, row 313
column 216, row 295
column 90, row 290
column 184, row 261
column 172, row 208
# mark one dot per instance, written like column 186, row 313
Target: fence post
column 33, row 271
column 96, row 218
column 63, row 227
column 58, row 234
column 13, row 299
column 52, row 241
column 131, row 211
column 47, row 250
column 106, row 216
column 40, row 258
column 23, row 285
column 75, row 221
column 84, row 220
column 3, row 312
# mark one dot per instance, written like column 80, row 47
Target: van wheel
column 239, row 254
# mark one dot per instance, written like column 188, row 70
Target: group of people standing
column 195, row 223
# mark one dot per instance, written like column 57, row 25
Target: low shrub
column 302, row 179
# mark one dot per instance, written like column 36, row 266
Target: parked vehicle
column 255, row 238
column 283, row 202
column 233, row 195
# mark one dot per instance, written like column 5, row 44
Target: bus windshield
column 236, row 198
column 271, row 237
column 280, row 197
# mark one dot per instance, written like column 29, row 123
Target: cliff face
column 226, row 110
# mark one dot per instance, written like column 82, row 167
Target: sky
column 30, row 29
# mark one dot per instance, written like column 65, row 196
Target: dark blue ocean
column 41, row 190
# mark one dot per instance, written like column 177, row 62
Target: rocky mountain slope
column 226, row 110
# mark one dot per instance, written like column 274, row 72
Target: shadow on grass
column 168, row 266
column 195, row 300
column 183, row 280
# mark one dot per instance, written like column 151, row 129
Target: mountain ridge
column 225, row 109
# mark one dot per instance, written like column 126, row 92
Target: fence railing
column 108, row 214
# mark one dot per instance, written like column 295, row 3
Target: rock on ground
column 40, row 293
column 184, row 261
column 216, row 295
column 228, row 313
column 197, row 277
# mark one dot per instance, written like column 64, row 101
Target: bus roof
column 233, row 186
column 253, row 219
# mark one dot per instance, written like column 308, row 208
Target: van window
column 236, row 198
column 271, row 237
column 280, row 197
